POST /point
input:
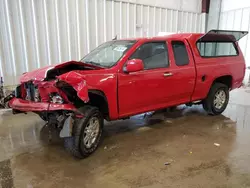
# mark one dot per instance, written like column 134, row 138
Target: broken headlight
column 56, row 98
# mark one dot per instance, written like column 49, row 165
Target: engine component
column 56, row 98
column 36, row 95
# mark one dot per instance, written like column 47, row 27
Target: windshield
column 109, row 53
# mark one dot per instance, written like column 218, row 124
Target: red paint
column 40, row 74
column 139, row 91
column 134, row 65
column 47, row 87
column 24, row 105
column 149, row 90
column 77, row 81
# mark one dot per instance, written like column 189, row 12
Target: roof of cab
column 193, row 36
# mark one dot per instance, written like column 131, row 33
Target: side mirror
column 134, row 65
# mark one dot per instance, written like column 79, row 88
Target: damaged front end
column 40, row 96
column 55, row 97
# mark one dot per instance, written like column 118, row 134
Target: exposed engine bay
column 55, row 84
column 56, row 91
column 53, row 73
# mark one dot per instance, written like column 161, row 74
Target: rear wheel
column 217, row 99
column 87, row 133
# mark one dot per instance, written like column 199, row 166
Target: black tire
column 208, row 103
column 74, row 145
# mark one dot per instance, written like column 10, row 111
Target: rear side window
column 153, row 54
column 217, row 49
column 180, row 53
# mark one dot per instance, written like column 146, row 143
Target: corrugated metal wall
column 36, row 33
column 238, row 19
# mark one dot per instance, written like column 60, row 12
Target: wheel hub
column 91, row 132
column 219, row 99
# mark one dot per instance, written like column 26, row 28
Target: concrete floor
column 134, row 152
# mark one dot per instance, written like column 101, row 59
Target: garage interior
column 183, row 147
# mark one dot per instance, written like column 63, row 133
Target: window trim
column 207, row 57
column 160, row 41
column 186, row 51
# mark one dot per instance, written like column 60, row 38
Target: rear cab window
column 153, row 54
column 219, row 43
column 180, row 53
column 209, row 49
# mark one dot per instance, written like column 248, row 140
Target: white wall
column 228, row 5
column 36, row 33
column 183, row 5
column 235, row 15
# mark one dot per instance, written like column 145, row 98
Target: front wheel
column 87, row 133
column 217, row 99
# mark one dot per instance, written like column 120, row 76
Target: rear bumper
column 27, row 106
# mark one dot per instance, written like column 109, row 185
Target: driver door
column 146, row 89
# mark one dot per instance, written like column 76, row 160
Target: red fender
column 78, row 82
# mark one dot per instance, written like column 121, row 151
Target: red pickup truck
column 122, row 78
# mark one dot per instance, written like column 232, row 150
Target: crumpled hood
column 38, row 74
column 80, row 76
column 41, row 73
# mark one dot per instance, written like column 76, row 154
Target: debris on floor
column 167, row 163
column 170, row 161
column 168, row 121
column 111, row 147
column 216, row 144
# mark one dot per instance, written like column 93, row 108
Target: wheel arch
column 225, row 79
column 98, row 98
column 95, row 97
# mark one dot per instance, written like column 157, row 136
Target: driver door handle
column 167, row 74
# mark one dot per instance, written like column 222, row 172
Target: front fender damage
column 78, row 82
